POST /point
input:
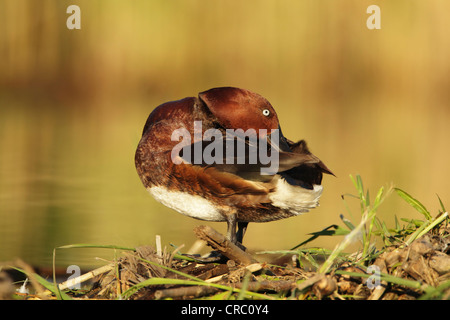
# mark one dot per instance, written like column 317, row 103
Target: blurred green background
column 73, row 104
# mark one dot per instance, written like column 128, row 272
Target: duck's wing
column 250, row 158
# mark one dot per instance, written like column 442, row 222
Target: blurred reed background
column 73, row 104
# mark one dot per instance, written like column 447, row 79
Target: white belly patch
column 187, row 204
column 295, row 199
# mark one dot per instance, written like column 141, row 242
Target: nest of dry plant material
column 413, row 270
column 421, row 269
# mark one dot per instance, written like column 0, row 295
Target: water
column 73, row 105
column 68, row 177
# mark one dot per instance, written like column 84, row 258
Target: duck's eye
column 266, row 112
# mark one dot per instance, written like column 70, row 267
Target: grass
column 367, row 229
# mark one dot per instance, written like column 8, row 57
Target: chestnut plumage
column 233, row 188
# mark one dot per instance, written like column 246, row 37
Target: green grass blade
column 347, row 222
column 433, row 224
column 392, row 279
column 379, row 198
column 47, row 285
column 414, row 203
column 349, row 238
column 397, row 223
column 367, row 199
column 245, row 281
column 437, row 293
column 416, row 233
column 97, row 246
column 333, row 230
column 442, row 205
column 360, row 188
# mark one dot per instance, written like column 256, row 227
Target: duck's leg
column 233, row 236
column 231, row 228
column 242, row 228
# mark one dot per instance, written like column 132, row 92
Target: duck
column 221, row 156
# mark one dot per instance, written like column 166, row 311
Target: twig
column 309, row 282
column 87, row 276
column 198, row 291
column 158, row 248
column 252, row 268
column 266, row 285
column 191, row 292
column 221, row 244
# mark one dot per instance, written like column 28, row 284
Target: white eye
column 266, row 112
